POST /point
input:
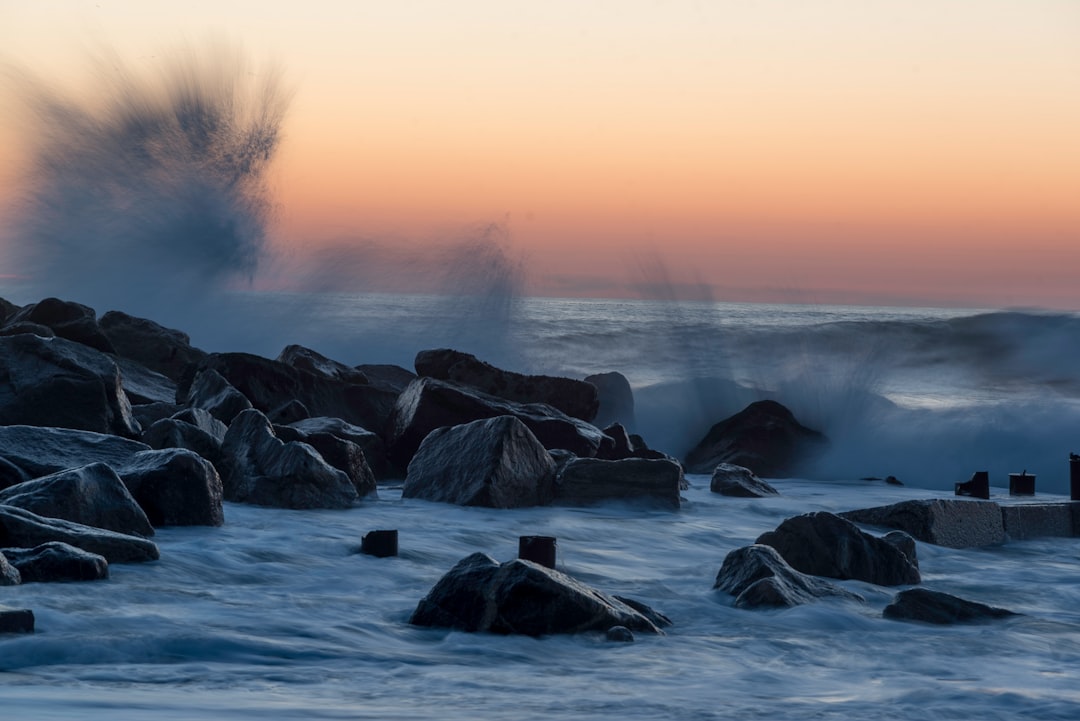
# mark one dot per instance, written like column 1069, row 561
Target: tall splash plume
column 151, row 192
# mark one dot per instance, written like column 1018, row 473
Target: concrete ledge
column 1040, row 520
column 953, row 523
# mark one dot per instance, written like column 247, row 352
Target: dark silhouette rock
column 143, row 385
column 370, row 443
column 10, row 474
column 495, row 462
column 60, row 383
column 620, row 634
column 40, row 451
column 904, row 543
column 732, row 480
column 922, row 604
column 92, row 495
column 211, row 392
column 584, row 481
column 174, row 487
column 428, row 404
column 57, row 562
column 22, row 529
column 148, row 414
column 977, row 487
column 621, row 446
column 764, row 437
column 343, row 455
column 305, row 359
column 174, row 433
column 760, row 578
column 204, row 421
column 824, row 544
column 258, row 468
column 163, row 350
column 575, row 398
column 288, row 413
column 27, row 327
column 385, row 375
column 72, row 321
column 943, row 522
column 616, row 400
column 521, row 597
column 16, row 620
column 9, row 575
column 7, row 310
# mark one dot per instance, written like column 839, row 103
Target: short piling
column 538, row 549
column 382, row 544
column 977, row 487
column 1021, row 484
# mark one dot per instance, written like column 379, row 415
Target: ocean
column 274, row 615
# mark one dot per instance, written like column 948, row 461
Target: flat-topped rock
column 1040, row 520
column 585, row 481
column 949, row 522
column 57, row 562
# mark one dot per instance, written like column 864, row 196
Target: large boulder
column 209, row 391
column 22, row 529
column 764, row 437
column 41, row 451
column 370, row 443
column 271, row 384
column 575, row 398
column 922, row 604
column 10, row 474
column 521, row 597
column 143, row 385
column 616, row 399
column 259, row 468
column 92, row 495
column 824, row 544
column 174, row 487
column 9, row 575
column 72, row 321
column 193, row 429
column 55, row 561
column 759, row 577
column 428, row 404
column 305, row 359
column 731, row 480
column 343, row 455
column 583, row 481
column 942, row 522
column 495, row 462
column 57, row 382
column 161, row 349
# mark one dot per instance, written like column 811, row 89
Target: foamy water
column 274, row 617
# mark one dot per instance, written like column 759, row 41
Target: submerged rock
column 521, row 597
column 57, row 562
column 732, row 480
column 16, row 620
column 760, row 578
column 922, row 604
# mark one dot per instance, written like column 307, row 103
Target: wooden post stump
column 538, row 549
column 381, row 544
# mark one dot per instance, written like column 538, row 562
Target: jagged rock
column 160, row 349
column 520, row 597
column 174, row 433
column 10, row 474
column 211, row 392
column 27, row 327
column 291, row 412
column 732, row 480
column 943, row 522
column 72, row 321
column 590, row 480
column 60, row 383
column 621, row 446
column 428, row 404
column 343, row 455
column 259, row 468
column 22, row 529
column 55, row 562
column 7, row 310
column 148, row 414
column 9, row 575
column 305, row 359
column 270, row 384
column 496, row 462
column 385, row 375
column 40, row 451
column 174, row 487
column 922, row 604
column 764, row 437
column 575, row 398
column 143, row 385
column 824, row 544
column 904, row 543
column 16, row 620
column 760, row 578
column 92, row 495
column 616, row 399
column 370, row 443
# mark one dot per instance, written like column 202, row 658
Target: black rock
column 164, row 350
column 174, row 433
column 391, row 377
column 584, row 481
column 732, row 480
column 56, row 562
column 41, row 451
column 210, row 391
column 72, row 321
column 370, row 443
column 764, row 437
column 760, row 578
column 174, row 487
column 9, row 575
column 620, row 634
column 305, row 359
column 343, row 455
column 616, row 399
column 148, row 414
column 23, row 529
column 922, row 604
column 16, row 620
column 143, row 385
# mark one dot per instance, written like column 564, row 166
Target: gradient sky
column 858, row 151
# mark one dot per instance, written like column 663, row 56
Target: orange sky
column 840, row 151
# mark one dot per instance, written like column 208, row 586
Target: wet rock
column 72, row 321
column 57, row 562
column 9, row 575
column 385, row 375
column 148, row 414
column 620, row 634
column 174, row 433
column 16, row 620
column 41, row 451
column 211, row 392
column 143, row 385
column 575, row 398
column 10, row 474
column 343, row 455
column 92, row 495
column 22, row 529
column 495, row 462
column 160, row 349
column 521, row 597
column 370, row 443
column 174, row 487
column 27, row 327
column 616, row 400
column 823, row 544
column 760, row 578
column 922, row 604
column 732, row 480
column 583, row 481
column 259, row 468
column 764, row 437
column 291, row 412
column 305, row 359
column 428, row 404
column 943, row 522
column 60, row 383
column 621, row 446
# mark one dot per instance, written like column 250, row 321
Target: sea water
column 274, row 615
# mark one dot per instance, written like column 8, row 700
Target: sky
column 821, row 151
